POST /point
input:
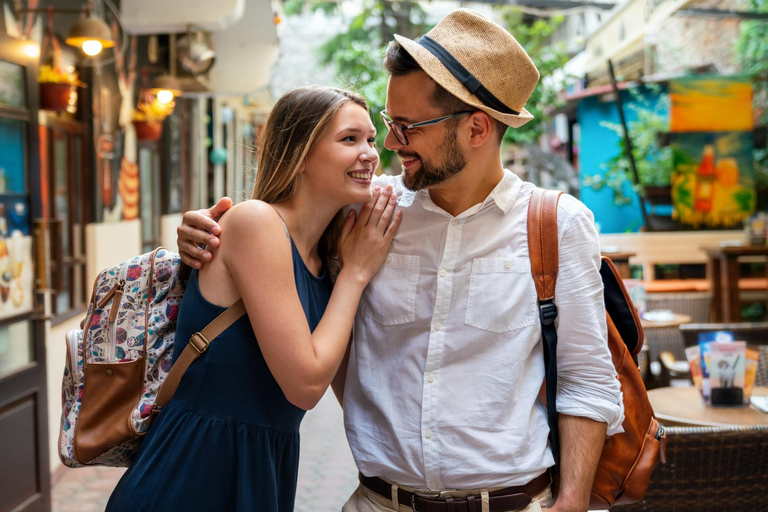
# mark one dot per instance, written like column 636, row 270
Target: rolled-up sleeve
column 587, row 382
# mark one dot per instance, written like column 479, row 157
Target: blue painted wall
column 598, row 145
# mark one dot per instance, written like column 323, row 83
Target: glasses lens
column 394, row 128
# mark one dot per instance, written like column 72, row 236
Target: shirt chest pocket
column 390, row 297
column 502, row 296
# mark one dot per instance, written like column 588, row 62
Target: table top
column 735, row 250
column 684, row 407
column 676, row 322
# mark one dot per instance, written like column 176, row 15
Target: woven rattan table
column 684, row 407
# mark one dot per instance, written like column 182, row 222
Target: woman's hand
column 364, row 243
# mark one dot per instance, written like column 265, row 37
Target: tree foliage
column 356, row 54
column 534, row 37
column 752, row 50
column 654, row 163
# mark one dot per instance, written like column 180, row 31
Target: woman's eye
column 350, row 138
column 372, row 141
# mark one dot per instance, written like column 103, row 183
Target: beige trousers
column 365, row 500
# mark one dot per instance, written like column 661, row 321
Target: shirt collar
column 503, row 196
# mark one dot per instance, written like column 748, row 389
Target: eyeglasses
column 399, row 129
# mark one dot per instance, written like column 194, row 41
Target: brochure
column 705, row 340
column 750, row 372
column 726, row 373
column 727, row 362
column 693, row 355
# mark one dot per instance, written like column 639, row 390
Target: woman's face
column 342, row 162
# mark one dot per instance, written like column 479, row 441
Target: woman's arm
column 258, row 255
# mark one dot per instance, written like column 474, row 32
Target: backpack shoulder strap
column 543, row 253
column 198, row 344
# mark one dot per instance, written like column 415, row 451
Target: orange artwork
column 128, row 186
column 718, row 104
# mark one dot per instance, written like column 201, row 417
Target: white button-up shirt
column 447, row 359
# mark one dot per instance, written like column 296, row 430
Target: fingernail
column 211, row 241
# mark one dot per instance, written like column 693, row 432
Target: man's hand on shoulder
column 199, row 228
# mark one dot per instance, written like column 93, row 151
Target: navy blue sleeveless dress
column 229, row 439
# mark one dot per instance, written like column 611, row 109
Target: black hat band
column 461, row 73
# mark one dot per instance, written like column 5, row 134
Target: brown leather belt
column 507, row 499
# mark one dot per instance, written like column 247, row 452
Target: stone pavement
column 327, row 473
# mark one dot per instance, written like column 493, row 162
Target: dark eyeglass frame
column 401, row 128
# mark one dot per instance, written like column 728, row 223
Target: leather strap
column 542, row 240
column 198, row 343
column 507, row 499
column 543, row 253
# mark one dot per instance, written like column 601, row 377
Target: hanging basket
column 148, row 130
column 57, row 97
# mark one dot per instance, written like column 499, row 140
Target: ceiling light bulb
column 32, row 50
column 92, row 47
column 164, row 96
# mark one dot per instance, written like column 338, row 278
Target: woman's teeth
column 360, row 175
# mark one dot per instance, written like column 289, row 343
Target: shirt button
column 437, row 326
column 389, row 259
column 454, row 222
column 507, row 264
column 428, row 434
column 442, row 272
column 431, row 377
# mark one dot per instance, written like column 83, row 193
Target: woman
column 229, row 439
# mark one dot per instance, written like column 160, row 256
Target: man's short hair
column 398, row 62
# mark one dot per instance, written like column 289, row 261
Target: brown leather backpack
column 628, row 459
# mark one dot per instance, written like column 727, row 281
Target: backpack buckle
column 547, row 312
column 199, row 342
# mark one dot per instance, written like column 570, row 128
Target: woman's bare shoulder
column 251, row 214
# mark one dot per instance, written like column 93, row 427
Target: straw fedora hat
column 478, row 62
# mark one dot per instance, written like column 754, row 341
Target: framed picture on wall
column 12, row 93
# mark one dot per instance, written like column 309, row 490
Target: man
column 447, row 363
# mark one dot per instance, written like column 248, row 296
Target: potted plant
column 653, row 160
column 148, row 119
column 58, row 88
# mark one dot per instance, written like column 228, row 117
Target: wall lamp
column 88, row 33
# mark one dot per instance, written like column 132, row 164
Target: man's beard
column 429, row 174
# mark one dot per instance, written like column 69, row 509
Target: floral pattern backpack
column 118, row 360
column 119, row 371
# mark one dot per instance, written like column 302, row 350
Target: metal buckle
column 199, row 338
column 426, row 496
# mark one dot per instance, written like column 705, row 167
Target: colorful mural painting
column 711, row 139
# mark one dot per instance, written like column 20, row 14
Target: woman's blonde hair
column 297, row 121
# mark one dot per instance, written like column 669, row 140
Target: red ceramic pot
column 148, row 130
column 57, row 97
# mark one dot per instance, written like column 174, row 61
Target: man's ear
column 481, row 128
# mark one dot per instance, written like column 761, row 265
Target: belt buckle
column 426, row 496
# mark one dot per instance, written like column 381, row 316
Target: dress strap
column 285, row 228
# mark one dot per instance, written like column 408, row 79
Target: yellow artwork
column 711, row 140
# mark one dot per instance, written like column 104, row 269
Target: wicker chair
column 710, row 470
column 695, row 305
column 754, row 333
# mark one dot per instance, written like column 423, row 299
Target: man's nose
column 391, row 142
